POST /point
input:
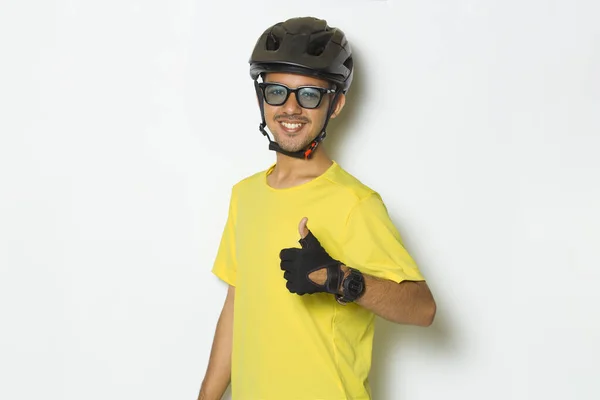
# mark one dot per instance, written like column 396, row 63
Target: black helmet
column 306, row 46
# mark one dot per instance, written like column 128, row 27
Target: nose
column 291, row 106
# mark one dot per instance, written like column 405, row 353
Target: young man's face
column 293, row 126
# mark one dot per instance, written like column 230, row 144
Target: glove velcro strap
column 334, row 277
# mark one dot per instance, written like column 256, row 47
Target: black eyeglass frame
column 323, row 91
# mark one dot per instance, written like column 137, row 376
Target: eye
column 310, row 94
column 274, row 90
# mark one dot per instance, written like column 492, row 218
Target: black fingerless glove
column 298, row 264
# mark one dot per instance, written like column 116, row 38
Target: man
column 298, row 318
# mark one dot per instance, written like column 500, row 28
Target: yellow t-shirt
column 291, row 347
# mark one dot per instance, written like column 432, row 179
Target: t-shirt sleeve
column 225, row 265
column 373, row 244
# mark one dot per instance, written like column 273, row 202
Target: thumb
column 302, row 228
column 307, row 239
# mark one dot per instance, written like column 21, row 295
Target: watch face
column 355, row 286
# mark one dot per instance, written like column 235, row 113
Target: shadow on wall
column 389, row 338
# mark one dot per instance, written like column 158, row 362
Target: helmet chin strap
column 309, row 150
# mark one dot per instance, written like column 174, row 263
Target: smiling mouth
column 292, row 127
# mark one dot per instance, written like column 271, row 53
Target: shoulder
column 250, row 182
column 351, row 187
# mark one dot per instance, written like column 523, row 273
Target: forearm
column 218, row 372
column 404, row 303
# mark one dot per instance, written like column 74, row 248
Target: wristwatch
column 353, row 287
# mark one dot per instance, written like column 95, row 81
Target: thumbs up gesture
column 311, row 260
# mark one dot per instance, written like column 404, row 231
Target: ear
column 341, row 101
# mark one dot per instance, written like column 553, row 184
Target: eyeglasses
column 276, row 94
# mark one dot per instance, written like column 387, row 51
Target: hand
column 310, row 261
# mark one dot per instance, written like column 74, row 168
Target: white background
column 124, row 124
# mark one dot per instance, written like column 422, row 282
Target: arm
column 407, row 302
column 218, row 372
column 310, row 270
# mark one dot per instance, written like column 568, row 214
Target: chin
column 291, row 145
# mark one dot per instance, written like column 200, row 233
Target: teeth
column 291, row 126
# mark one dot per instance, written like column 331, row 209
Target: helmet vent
column 272, row 42
column 317, row 44
column 349, row 63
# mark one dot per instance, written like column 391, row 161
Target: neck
column 290, row 171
